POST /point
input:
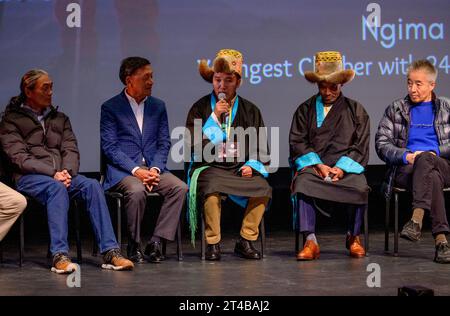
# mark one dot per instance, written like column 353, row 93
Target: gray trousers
column 173, row 192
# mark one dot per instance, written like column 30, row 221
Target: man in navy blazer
column 135, row 141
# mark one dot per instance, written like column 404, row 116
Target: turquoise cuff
column 309, row 159
column 256, row 165
column 349, row 165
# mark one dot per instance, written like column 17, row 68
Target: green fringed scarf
column 193, row 202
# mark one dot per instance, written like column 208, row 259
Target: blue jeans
column 55, row 197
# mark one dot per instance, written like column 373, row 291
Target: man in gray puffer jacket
column 413, row 138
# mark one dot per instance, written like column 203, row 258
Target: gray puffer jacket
column 393, row 131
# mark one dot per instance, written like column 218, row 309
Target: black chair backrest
column 6, row 169
column 103, row 162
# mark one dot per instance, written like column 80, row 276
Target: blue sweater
column 422, row 135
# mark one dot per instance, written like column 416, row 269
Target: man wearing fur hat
column 238, row 168
column 329, row 148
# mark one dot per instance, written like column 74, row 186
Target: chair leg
column 203, row 237
column 21, row 240
column 49, row 253
column 297, row 240
column 164, row 247
column 179, row 250
column 95, row 245
column 366, row 229
column 119, row 223
column 94, row 248
column 386, row 225
column 1, row 252
column 396, row 224
column 262, row 236
column 77, row 215
column 297, row 235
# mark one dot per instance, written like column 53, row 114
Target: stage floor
column 335, row 273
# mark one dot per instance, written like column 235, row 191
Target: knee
column 57, row 191
column 437, row 180
column 424, row 158
column 257, row 201
column 93, row 184
column 136, row 190
column 57, row 188
column 363, row 190
column 182, row 188
column 20, row 203
column 212, row 202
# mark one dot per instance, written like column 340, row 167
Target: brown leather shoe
column 310, row 251
column 355, row 247
column 63, row 264
column 113, row 260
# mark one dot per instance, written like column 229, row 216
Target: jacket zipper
column 408, row 121
column 45, row 134
column 435, row 109
column 45, row 143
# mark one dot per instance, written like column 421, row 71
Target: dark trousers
column 173, row 192
column 426, row 179
column 308, row 209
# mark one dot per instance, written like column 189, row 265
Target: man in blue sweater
column 413, row 136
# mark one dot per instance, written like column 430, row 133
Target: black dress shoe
column 212, row 252
column 411, row 231
column 134, row 252
column 244, row 248
column 154, row 252
column 442, row 254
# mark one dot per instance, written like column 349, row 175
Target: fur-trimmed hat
column 227, row 61
column 328, row 67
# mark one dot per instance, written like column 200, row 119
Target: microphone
column 329, row 177
column 222, row 96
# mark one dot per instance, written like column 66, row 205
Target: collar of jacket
column 24, row 111
column 406, row 105
column 124, row 97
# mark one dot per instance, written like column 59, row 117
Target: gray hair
column 425, row 65
column 30, row 78
column 28, row 81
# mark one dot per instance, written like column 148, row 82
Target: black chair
column 21, row 241
column 118, row 198
column 75, row 210
column 262, row 235
column 396, row 191
column 366, row 232
column 21, row 222
column 7, row 177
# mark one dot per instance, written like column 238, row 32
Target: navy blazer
column 123, row 144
